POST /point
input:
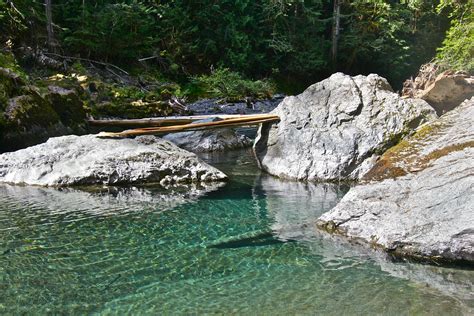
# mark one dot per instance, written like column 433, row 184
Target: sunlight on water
column 148, row 251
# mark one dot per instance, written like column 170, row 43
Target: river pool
column 245, row 247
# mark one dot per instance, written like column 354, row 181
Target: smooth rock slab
column 428, row 214
column 423, row 206
column 337, row 128
column 84, row 160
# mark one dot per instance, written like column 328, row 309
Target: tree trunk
column 335, row 30
column 49, row 25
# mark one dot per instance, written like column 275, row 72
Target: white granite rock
column 84, row 160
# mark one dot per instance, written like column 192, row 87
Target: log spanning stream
column 246, row 247
column 165, row 125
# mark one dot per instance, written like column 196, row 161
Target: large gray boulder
column 81, row 160
column 418, row 200
column 209, row 140
column 337, row 128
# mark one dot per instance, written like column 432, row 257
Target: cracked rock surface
column 84, row 160
column 337, row 128
column 423, row 206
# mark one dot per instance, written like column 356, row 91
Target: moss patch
column 28, row 110
column 445, row 151
column 405, row 157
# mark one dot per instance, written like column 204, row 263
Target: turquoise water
column 115, row 251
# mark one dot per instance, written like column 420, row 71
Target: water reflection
column 294, row 205
column 142, row 250
column 101, row 201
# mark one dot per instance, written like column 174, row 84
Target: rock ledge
column 84, row 160
column 423, row 207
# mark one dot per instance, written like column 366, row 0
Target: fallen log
column 231, row 122
column 151, row 122
column 164, row 121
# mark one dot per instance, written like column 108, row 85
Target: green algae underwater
column 245, row 247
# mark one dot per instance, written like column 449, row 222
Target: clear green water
column 144, row 251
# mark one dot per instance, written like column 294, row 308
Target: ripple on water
column 143, row 250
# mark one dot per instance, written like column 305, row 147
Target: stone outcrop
column 209, row 140
column 32, row 118
column 418, row 200
column 29, row 116
column 84, row 160
column 337, row 128
column 67, row 104
column 443, row 92
column 10, row 82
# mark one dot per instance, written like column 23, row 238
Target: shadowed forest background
column 291, row 42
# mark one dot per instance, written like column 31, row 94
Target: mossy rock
column 8, row 60
column 10, row 84
column 28, row 120
column 67, row 104
column 131, row 110
column 27, row 110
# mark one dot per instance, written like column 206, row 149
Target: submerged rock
column 83, row 160
column 209, row 140
column 423, row 207
column 295, row 205
column 337, row 128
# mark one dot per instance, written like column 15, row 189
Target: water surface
column 147, row 251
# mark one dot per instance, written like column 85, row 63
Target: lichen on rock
column 418, row 200
column 430, row 142
column 336, row 129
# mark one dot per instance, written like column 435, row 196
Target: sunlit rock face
column 337, row 128
column 443, row 92
column 85, row 160
column 418, row 200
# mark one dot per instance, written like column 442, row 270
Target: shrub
column 457, row 51
column 231, row 86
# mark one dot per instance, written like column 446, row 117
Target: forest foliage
column 288, row 41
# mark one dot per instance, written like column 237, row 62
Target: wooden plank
column 241, row 121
